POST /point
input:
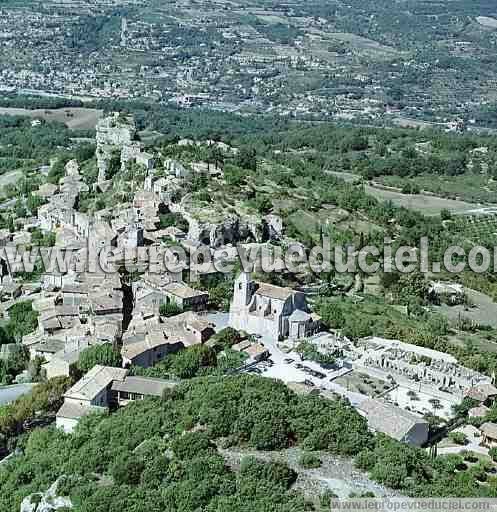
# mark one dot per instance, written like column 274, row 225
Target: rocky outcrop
column 47, row 501
column 115, row 134
column 231, row 230
column 72, row 168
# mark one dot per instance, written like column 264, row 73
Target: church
column 270, row 311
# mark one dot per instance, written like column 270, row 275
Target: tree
column 246, row 159
column 304, row 349
column 277, row 473
column 234, row 176
column 57, row 169
column 412, row 395
column 445, row 214
column 461, row 410
column 435, row 403
column 104, row 355
column 169, row 309
column 227, row 337
column 22, row 320
column 188, row 363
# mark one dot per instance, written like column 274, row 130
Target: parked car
column 288, row 361
column 309, row 383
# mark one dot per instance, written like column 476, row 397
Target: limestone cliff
column 47, row 501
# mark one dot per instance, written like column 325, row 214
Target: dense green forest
column 14, row 100
column 163, row 454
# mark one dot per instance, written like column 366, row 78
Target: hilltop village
column 146, row 316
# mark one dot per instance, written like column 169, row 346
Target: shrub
column 309, row 461
column 127, row 469
column 169, row 309
column 493, row 453
column 458, row 438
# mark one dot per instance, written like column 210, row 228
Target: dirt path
column 336, row 473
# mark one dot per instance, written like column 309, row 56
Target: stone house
column 46, row 190
column 107, row 302
column 146, row 160
column 148, row 299
column 105, row 388
column 138, row 388
column 176, row 168
column 89, row 395
column 46, row 348
column 10, row 290
column 131, row 237
column 75, row 294
column 388, row 419
column 64, row 362
column 489, row 434
column 186, row 297
column 486, row 393
column 145, row 345
column 57, row 318
column 51, row 216
column 53, row 280
column 255, row 351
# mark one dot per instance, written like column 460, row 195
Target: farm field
column 483, row 310
column 428, row 205
column 10, row 178
column 473, row 188
column 73, row 118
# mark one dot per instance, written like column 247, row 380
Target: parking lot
column 288, row 367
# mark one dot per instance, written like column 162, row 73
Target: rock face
column 230, row 231
column 115, row 133
column 47, row 501
column 72, row 168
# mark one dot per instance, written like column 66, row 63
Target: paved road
column 10, row 393
column 288, row 372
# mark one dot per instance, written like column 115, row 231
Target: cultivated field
column 73, row 118
column 10, row 178
column 483, row 310
column 428, row 205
